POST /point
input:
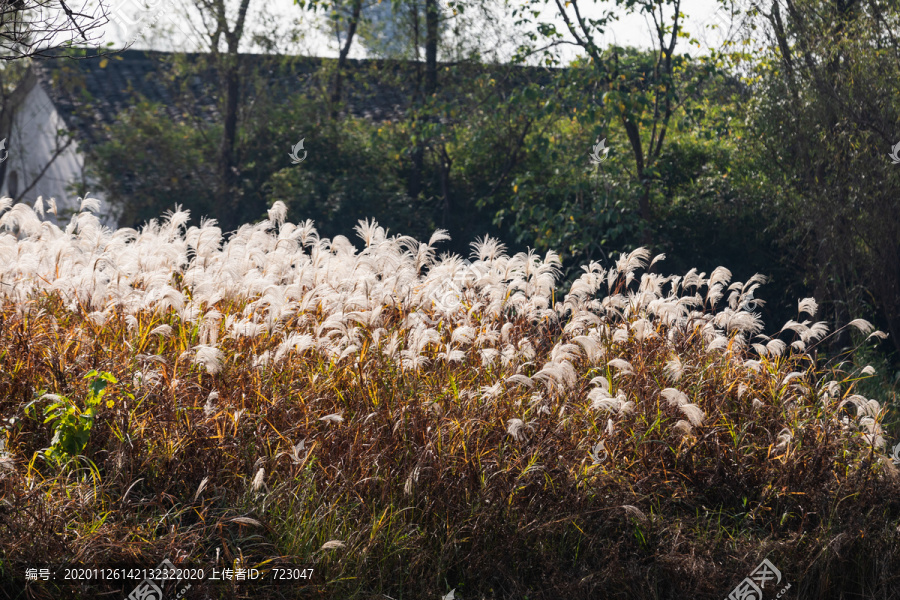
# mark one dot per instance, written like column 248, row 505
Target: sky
column 130, row 20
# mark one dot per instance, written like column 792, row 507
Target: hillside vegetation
column 408, row 423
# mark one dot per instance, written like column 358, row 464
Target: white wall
column 32, row 144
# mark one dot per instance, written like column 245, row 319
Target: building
column 64, row 106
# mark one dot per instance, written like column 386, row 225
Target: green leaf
column 97, row 387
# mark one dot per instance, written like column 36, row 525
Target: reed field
column 379, row 420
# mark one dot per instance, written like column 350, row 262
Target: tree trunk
column 229, row 66
column 227, row 166
column 446, row 163
column 431, row 46
column 342, row 58
column 637, row 147
column 418, row 154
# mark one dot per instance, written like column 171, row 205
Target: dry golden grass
column 407, row 425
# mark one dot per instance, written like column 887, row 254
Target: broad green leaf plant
column 73, row 423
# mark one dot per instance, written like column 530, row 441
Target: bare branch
column 38, row 28
column 36, row 179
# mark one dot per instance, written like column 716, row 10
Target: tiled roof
column 90, row 92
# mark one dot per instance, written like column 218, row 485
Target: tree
column 827, row 115
column 39, row 27
column 217, row 96
column 224, row 44
column 344, row 18
column 642, row 89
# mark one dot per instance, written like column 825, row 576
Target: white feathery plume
column 622, row 366
column 643, row 330
column 776, row 347
column 620, row 335
column 590, row 346
column 634, row 511
column 674, row 368
column 790, row 377
column 258, row 480
column 808, row 306
column 815, row 332
column 693, row 413
column 683, row 427
column 601, row 400
column 784, row 439
column 491, row 392
column 603, row 382
column 463, row 335
column 719, row 342
column 278, row 213
column 861, row 325
column 210, row 357
column 488, row 356
column 516, row 428
column 262, row 360
column 519, row 379
column 98, row 318
column 89, row 205
column 674, row 397
column 719, row 277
